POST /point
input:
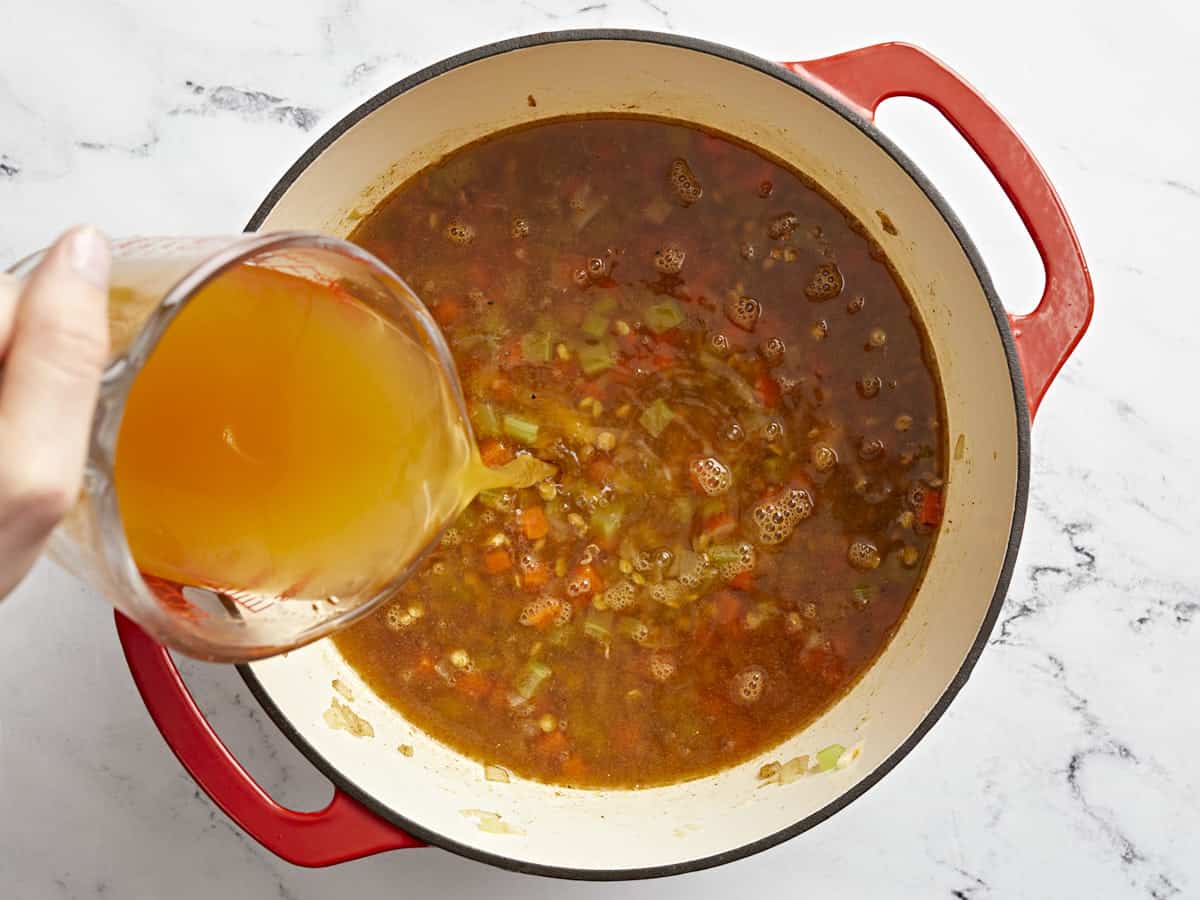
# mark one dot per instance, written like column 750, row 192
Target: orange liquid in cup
column 284, row 441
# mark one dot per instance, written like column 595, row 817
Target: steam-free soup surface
column 742, row 409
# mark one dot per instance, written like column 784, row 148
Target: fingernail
column 88, row 254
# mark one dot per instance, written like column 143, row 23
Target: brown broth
column 621, row 626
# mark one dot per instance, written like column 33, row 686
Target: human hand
column 53, row 349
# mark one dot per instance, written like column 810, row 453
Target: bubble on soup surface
column 535, row 610
column 776, row 519
column 520, row 227
column 869, row 386
column 621, row 595
column 692, row 572
column 667, row 592
column 856, row 305
column 864, row 555
column 871, row 449
column 460, row 232
column 773, row 350
column 579, row 586
column 744, row 562
column 720, row 343
column 826, row 282
column 684, row 181
column 748, row 685
column 748, row 251
column 397, row 617
column 743, row 312
column 669, row 259
column 782, row 225
column 824, row 457
column 639, row 632
column 712, row 475
column 597, row 267
column 765, row 189
column 662, row 667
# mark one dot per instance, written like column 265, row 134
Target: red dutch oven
column 995, row 368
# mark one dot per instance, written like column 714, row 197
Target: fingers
column 10, row 287
column 57, row 349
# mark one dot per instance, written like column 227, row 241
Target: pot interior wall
column 436, row 790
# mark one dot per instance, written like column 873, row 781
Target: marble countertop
column 1067, row 766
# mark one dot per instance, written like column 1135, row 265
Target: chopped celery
column 598, row 624
column 485, row 420
column 594, row 324
column 606, row 304
column 596, row 358
column 828, row 758
column 520, row 429
column 656, row 417
column 535, row 347
column 663, row 316
column 559, row 635
column 721, row 554
column 530, row 678
column 606, row 520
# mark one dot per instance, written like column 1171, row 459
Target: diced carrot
column 574, row 766
column 494, row 452
column 536, row 576
column 931, row 507
column 720, row 524
column 824, row 664
column 663, row 358
column 593, row 389
column 544, row 617
column 728, row 608
column 533, row 522
column 474, row 684
column 502, row 389
column 447, row 311
column 767, row 389
column 600, row 468
column 510, row 353
column 551, row 743
column 497, row 560
column 742, row 581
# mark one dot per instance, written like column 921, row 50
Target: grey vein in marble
column 246, row 103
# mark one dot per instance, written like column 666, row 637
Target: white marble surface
column 1068, row 765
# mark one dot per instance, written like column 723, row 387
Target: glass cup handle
column 866, row 77
column 342, row 831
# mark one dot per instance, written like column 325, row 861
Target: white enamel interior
column 588, row 830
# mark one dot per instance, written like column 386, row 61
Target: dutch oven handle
column 341, row 831
column 867, row 77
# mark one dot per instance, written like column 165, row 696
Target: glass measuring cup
column 152, row 281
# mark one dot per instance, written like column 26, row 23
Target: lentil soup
column 743, row 411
